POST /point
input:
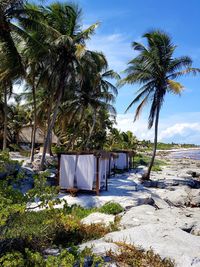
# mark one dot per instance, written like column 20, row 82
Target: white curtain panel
column 107, row 166
column 85, row 171
column 121, row 161
column 112, row 163
column 102, row 171
column 67, row 171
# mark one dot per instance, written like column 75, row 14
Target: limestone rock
column 166, row 240
column 100, row 247
column 194, row 198
column 97, row 217
column 196, row 230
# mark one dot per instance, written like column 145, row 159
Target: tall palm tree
column 156, row 69
column 97, row 92
column 11, row 66
column 59, row 36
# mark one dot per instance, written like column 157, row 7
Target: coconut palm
column 98, row 92
column 94, row 93
column 62, row 41
column 156, row 69
column 11, row 65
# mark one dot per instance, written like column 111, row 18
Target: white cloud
column 182, row 132
column 180, row 128
column 116, row 47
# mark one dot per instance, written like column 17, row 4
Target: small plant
column 111, row 208
column 78, row 211
column 133, row 257
column 65, row 258
column 156, row 168
column 141, row 159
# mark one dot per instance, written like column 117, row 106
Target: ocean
column 190, row 154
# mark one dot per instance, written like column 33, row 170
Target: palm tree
column 156, row 69
column 57, row 33
column 97, row 92
column 11, row 65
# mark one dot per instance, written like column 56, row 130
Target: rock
column 137, row 215
column 159, row 202
column 149, row 183
column 194, row 198
column 98, row 218
column 195, row 230
column 51, row 252
column 193, row 173
column 167, row 241
column 184, row 219
column 27, row 163
column 100, row 247
column 36, row 164
column 179, row 197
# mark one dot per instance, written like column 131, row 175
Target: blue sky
column 125, row 21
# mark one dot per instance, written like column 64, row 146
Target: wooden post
column 109, row 166
column 106, row 183
column 97, row 176
column 127, row 165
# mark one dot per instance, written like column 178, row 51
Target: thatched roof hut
column 26, row 132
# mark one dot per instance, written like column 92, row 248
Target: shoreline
column 178, row 149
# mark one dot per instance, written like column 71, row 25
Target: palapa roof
column 25, row 135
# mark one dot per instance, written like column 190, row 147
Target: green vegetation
column 142, row 159
column 111, row 208
column 148, row 145
column 35, row 259
column 68, row 91
column 25, row 233
column 52, row 228
column 134, row 257
column 72, row 98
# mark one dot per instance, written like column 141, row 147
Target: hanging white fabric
column 67, row 171
column 85, row 171
column 102, row 172
column 107, row 166
column 121, row 161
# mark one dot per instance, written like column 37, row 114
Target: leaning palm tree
column 156, row 69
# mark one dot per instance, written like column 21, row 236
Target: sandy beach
column 162, row 214
column 158, row 214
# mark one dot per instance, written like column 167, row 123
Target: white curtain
column 67, row 171
column 112, row 163
column 85, row 171
column 121, row 161
column 107, row 166
column 102, row 171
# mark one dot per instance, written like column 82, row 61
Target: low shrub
column 65, row 258
column 53, row 227
column 144, row 160
column 78, row 211
column 111, row 208
column 156, row 168
column 34, row 230
column 133, row 257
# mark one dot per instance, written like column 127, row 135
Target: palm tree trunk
column 34, row 125
column 49, row 145
column 147, row 175
column 49, row 130
column 91, row 129
column 5, row 130
column 73, row 137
